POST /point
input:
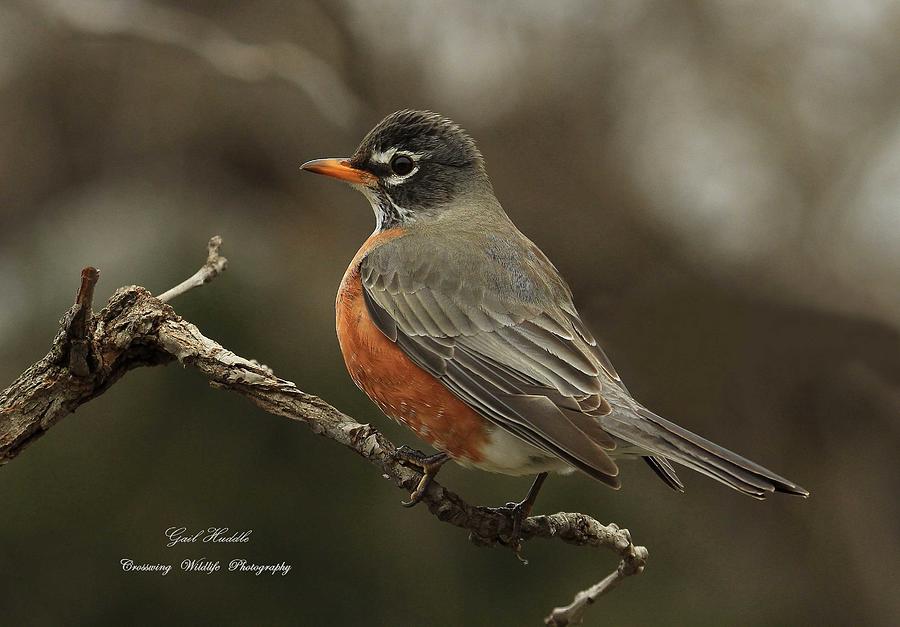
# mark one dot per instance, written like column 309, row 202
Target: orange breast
column 400, row 388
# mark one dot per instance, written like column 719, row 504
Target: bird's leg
column 429, row 465
column 520, row 511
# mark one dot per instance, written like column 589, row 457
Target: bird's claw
column 428, row 465
column 517, row 513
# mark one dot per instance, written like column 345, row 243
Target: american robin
column 458, row 326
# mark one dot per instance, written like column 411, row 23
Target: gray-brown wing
column 659, row 465
column 509, row 348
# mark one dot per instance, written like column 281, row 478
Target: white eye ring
column 387, row 158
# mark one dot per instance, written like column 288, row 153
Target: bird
column 458, row 326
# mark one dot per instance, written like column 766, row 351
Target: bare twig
column 634, row 558
column 214, row 266
column 137, row 329
column 79, row 327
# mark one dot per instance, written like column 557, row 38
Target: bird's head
column 413, row 165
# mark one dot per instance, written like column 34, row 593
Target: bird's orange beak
column 339, row 169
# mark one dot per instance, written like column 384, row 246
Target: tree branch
column 214, row 266
column 93, row 351
column 634, row 558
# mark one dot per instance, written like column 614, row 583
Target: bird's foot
column 428, row 465
column 518, row 512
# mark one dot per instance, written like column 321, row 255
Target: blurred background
column 719, row 181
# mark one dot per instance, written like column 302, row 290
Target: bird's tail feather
column 664, row 471
column 660, row 437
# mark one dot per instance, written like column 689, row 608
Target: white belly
column 508, row 455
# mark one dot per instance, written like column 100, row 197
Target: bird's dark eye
column 402, row 165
